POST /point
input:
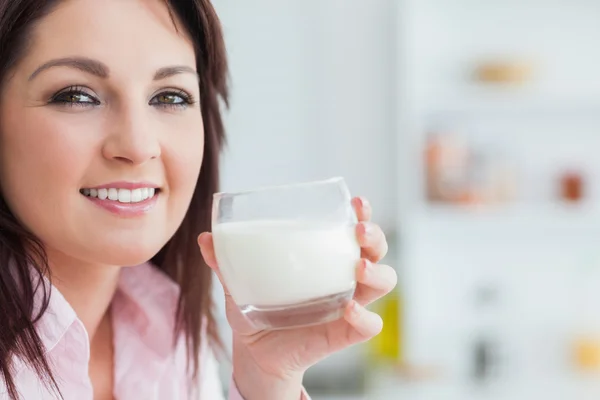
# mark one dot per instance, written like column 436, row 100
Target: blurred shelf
column 544, row 220
column 494, row 101
column 565, row 386
column 539, row 390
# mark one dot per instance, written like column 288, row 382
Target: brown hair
column 180, row 258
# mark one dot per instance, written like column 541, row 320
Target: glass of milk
column 288, row 254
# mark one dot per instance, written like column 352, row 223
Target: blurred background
column 474, row 129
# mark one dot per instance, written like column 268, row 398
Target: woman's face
column 100, row 101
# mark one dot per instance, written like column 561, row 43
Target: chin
column 126, row 253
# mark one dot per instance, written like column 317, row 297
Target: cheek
column 183, row 160
column 41, row 159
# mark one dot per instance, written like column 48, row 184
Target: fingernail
column 365, row 229
column 364, row 203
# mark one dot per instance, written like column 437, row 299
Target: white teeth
column 113, row 194
column 121, row 195
column 124, row 196
column 136, row 195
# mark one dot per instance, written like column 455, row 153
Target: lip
column 126, row 185
column 126, row 210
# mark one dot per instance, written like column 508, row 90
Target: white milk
column 275, row 263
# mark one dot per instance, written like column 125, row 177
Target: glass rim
column 266, row 188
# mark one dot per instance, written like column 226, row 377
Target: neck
column 88, row 288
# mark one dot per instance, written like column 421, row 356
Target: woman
column 110, row 132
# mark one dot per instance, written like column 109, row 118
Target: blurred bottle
column 585, row 350
column 446, row 166
column 486, row 352
column 386, row 348
column 587, row 354
column 513, row 72
column 572, row 186
column 460, row 172
column 484, row 359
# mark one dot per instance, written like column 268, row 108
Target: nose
column 131, row 138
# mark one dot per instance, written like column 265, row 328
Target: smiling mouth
column 121, row 195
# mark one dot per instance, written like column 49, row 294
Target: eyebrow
column 167, row 72
column 100, row 69
column 83, row 64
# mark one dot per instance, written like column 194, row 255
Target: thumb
column 207, row 248
column 205, row 241
column 236, row 319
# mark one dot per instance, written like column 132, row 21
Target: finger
column 363, row 209
column 374, row 281
column 372, row 241
column 320, row 341
column 363, row 324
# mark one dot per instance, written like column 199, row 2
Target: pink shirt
column 147, row 367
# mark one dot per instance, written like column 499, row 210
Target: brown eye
column 169, row 98
column 172, row 99
column 74, row 97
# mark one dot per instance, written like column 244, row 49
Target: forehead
column 120, row 33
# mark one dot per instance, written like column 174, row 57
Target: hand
column 270, row 364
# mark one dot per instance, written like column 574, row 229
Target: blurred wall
column 312, row 95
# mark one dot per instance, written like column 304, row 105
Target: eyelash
column 186, row 98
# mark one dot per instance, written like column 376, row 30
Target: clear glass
column 288, row 254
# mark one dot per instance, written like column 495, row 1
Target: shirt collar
column 146, row 300
column 57, row 318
